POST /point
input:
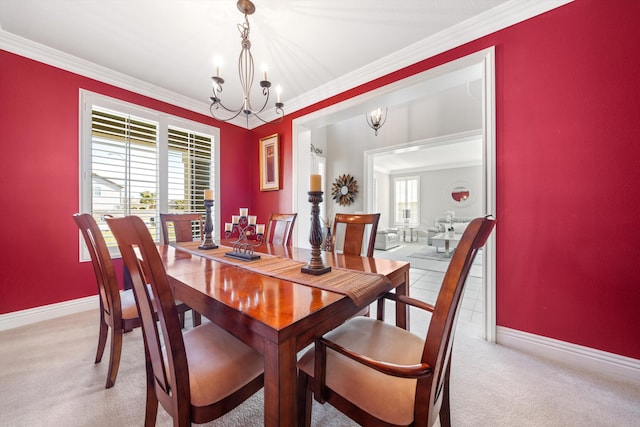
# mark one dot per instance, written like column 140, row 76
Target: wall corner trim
column 589, row 359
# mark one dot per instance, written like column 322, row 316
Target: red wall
column 568, row 148
column 568, row 143
column 39, row 110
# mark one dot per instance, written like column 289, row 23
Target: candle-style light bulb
column 264, row 72
column 278, row 92
column 376, row 116
column 217, row 62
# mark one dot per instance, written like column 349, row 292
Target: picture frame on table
column 270, row 163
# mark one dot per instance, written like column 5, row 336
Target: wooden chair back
column 439, row 340
column 111, row 301
column 224, row 370
column 280, row 228
column 183, row 226
column 168, row 371
column 106, row 278
column 431, row 373
column 183, row 230
column 358, row 231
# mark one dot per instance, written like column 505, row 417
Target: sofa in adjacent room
column 387, row 238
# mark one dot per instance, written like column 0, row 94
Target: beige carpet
column 48, row 378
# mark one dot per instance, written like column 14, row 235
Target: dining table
column 275, row 308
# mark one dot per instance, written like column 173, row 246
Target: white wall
column 435, row 196
column 451, row 111
column 383, row 205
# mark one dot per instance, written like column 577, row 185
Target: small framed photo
column 270, row 163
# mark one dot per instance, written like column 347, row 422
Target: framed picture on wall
column 270, row 163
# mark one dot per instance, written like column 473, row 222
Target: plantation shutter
column 190, row 170
column 406, row 199
column 124, row 165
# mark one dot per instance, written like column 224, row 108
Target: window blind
column 189, row 171
column 136, row 161
column 124, row 168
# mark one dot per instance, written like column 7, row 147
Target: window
column 189, row 171
column 136, row 161
column 406, row 196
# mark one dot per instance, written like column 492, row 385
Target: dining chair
column 118, row 310
column 280, row 228
column 355, row 233
column 197, row 376
column 183, row 231
column 380, row 374
column 182, row 225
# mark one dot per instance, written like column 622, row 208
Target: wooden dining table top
column 275, row 316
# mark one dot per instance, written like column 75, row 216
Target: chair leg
column 181, row 319
column 102, row 339
column 445, row 409
column 197, row 318
column 151, row 407
column 380, row 309
column 114, row 358
column 304, row 400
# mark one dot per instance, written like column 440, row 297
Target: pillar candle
column 260, row 228
column 244, row 211
column 252, row 219
column 235, row 219
column 208, row 194
column 228, row 226
column 315, row 182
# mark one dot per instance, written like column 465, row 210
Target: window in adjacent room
column 136, row 161
column 406, row 205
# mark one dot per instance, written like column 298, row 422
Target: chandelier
column 245, row 72
column 376, row 119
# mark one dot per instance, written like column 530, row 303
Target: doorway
column 446, row 174
column 324, row 127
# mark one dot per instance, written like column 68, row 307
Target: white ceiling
column 165, row 48
column 464, row 152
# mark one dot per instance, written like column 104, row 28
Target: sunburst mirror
column 344, row 190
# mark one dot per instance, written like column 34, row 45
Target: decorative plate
column 344, row 190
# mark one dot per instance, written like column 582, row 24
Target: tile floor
column 426, row 278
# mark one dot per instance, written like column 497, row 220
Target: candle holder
column 316, row 264
column 208, row 228
column 245, row 225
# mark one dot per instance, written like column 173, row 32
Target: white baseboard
column 589, row 359
column 601, row 362
column 47, row 312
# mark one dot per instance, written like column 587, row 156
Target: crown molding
column 500, row 17
column 47, row 55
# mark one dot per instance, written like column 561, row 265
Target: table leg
column 280, row 384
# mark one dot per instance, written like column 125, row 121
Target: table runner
column 357, row 285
